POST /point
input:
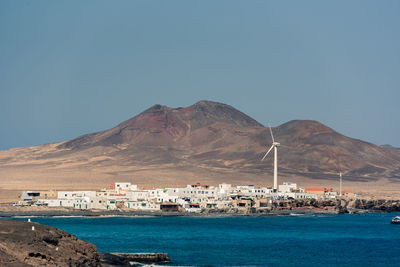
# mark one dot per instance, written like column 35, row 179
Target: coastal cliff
column 311, row 206
column 24, row 244
column 43, row 246
column 377, row 205
column 345, row 205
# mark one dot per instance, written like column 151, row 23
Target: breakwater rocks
column 31, row 244
column 344, row 205
column 43, row 246
column 333, row 206
column 377, row 205
column 129, row 259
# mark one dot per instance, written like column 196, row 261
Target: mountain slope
column 161, row 125
column 317, row 148
column 208, row 142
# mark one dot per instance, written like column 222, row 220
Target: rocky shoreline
column 26, row 244
column 129, row 259
column 32, row 244
column 287, row 207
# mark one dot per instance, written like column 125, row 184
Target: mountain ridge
column 207, row 141
column 156, row 117
column 206, row 128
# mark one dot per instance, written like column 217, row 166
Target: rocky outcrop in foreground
column 21, row 246
column 43, row 246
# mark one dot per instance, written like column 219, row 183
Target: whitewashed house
column 142, row 205
column 138, row 195
column 287, row 187
column 59, row 202
column 75, row 194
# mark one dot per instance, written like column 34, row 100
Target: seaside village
column 192, row 198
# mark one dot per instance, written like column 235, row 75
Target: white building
column 75, row 194
column 82, row 203
column 287, row 187
column 122, row 186
column 98, row 202
column 59, row 202
column 138, row 195
column 142, row 205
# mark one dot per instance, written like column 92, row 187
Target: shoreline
column 74, row 213
column 289, row 207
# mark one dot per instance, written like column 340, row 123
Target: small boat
column 395, row 220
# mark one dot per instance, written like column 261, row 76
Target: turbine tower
column 275, row 147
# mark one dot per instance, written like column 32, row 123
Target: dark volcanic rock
column 378, row 205
column 45, row 246
column 127, row 259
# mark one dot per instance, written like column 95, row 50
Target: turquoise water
column 351, row 240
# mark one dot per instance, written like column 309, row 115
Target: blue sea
column 307, row 240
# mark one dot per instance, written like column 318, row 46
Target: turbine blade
column 267, row 153
column 273, row 140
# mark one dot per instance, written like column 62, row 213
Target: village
column 191, row 199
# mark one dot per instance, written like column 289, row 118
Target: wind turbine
column 275, row 147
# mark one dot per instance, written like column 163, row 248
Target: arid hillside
column 207, row 142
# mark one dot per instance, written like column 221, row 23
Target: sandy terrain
column 13, row 182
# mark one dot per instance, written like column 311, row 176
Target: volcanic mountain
column 207, row 142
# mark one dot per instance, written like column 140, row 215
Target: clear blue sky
column 68, row 68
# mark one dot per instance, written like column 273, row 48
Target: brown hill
column 317, row 149
column 208, row 142
column 164, row 126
